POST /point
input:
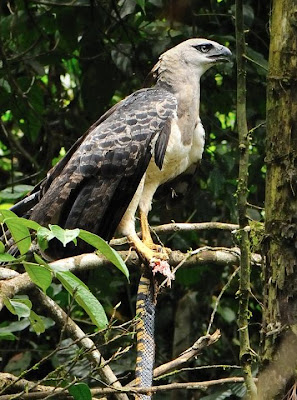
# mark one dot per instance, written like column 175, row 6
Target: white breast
column 178, row 159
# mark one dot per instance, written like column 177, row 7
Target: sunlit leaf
column 44, row 235
column 19, row 307
column 19, row 232
column 15, row 326
column 39, row 274
column 104, row 249
column 84, row 298
column 29, row 223
column 7, row 214
column 2, row 248
column 36, row 322
column 64, row 235
column 6, row 257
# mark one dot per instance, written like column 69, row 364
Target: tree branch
column 74, row 332
column 16, row 384
column 60, row 393
column 182, row 227
column 79, row 337
column 242, row 192
column 220, row 256
column 187, row 355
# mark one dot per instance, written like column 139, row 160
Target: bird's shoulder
column 144, row 109
column 119, row 136
column 128, row 130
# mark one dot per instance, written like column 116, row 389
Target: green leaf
column 41, row 261
column 15, row 192
column 7, row 336
column 15, row 326
column 7, row 214
column 36, row 322
column 39, row 274
column 84, row 298
column 17, row 365
column 227, row 313
column 141, row 4
column 19, row 232
column 104, row 249
column 44, row 235
column 29, row 223
column 70, row 282
column 19, row 307
column 2, row 248
column 80, row 391
column 24, row 222
column 64, row 235
column 6, row 257
column 19, row 229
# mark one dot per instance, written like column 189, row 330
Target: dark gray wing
column 23, row 207
column 94, row 186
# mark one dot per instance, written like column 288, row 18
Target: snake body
column 145, row 310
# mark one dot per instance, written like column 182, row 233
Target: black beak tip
column 225, row 55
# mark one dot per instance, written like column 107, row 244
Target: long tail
column 145, row 309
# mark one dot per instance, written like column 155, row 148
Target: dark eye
column 203, row 48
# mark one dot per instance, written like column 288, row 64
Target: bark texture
column 280, row 247
column 245, row 353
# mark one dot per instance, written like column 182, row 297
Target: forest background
column 63, row 65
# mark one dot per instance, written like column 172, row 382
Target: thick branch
column 17, row 385
column 183, row 227
column 218, row 256
column 61, row 393
column 242, row 191
column 199, row 226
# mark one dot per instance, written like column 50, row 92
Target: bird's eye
column 203, row 48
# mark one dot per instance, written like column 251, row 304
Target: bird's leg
column 160, row 251
column 142, row 249
column 159, row 260
column 145, row 230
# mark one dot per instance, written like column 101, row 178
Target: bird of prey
column 145, row 140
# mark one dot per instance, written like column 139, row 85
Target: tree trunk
column 280, row 275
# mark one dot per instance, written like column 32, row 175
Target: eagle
column 115, row 168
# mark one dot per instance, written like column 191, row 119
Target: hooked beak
column 223, row 54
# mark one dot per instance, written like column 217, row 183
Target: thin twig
column 188, row 354
column 225, row 287
column 14, row 142
column 201, row 367
column 255, row 62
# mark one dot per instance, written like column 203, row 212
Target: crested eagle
column 145, row 140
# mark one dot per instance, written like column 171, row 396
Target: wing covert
column 104, row 169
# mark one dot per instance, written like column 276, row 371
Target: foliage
column 63, row 64
column 42, row 273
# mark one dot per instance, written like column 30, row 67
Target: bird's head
column 201, row 53
column 192, row 56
